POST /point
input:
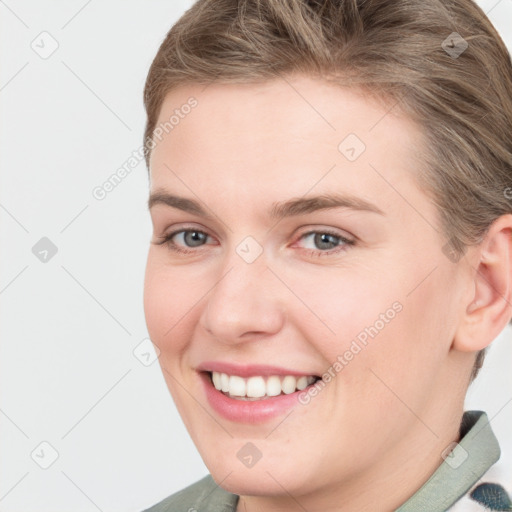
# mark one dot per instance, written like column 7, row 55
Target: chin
column 265, row 480
column 245, row 482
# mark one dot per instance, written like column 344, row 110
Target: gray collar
column 476, row 452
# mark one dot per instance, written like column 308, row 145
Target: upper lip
column 248, row 370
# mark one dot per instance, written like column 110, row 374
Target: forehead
column 293, row 135
column 298, row 106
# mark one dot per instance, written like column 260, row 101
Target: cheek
column 357, row 305
column 406, row 356
column 167, row 304
column 372, row 320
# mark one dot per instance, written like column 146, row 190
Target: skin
column 359, row 441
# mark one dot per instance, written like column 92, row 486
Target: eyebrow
column 289, row 208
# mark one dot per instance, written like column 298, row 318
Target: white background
column 69, row 326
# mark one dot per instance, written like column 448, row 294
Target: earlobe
column 490, row 309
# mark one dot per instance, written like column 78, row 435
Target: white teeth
column 237, row 386
column 216, row 377
column 258, row 387
column 273, row 386
column 302, row 382
column 289, row 384
column 224, row 382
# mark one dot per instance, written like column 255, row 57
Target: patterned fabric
column 492, row 496
column 484, row 496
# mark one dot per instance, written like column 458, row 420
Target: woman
column 331, row 251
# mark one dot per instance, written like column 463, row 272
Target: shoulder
column 203, row 495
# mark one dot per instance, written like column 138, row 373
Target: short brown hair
column 409, row 52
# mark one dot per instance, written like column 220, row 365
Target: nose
column 246, row 303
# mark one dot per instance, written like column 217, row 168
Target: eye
column 191, row 238
column 326, row 240
column 329, row 242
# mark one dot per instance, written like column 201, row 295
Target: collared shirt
column 456, row 481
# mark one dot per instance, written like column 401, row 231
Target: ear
column 490, row 307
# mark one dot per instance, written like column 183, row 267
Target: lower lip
column 245, row 411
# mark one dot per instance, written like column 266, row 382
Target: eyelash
column 344, row 242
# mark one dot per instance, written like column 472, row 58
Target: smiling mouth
column 259, row 387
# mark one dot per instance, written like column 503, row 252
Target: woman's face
column 361, row 293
